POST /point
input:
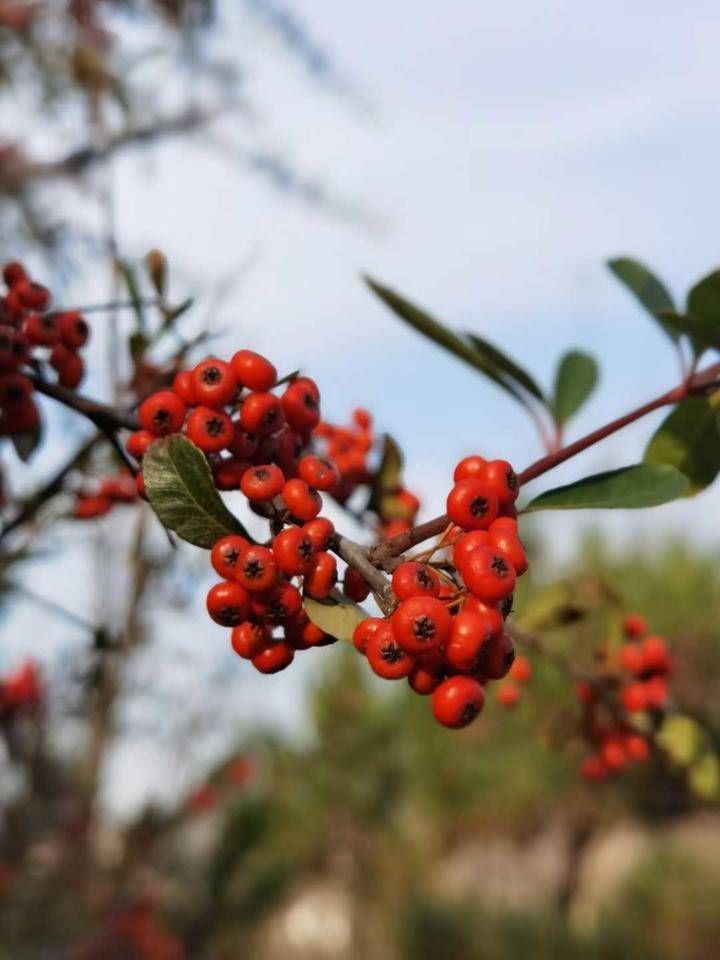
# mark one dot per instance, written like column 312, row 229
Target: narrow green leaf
column 641, row 485
column 337, row 617
column 689, row 440
column 133, row 287
column 172, row 314
column 181, row 492
column 703, row 301
column 387, row 477
column 505, row 365
column 576, row 378
column 649, row 290
column 421, row 321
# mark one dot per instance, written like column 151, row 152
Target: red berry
column 162, row 413
column 273, row 657
column 354, row 585
column 213, row 383
column 225, row 555
column 73, row 329
column 366, row 629
column 469, row 467
column 521, row 670
column 15, row 391
column 633, row 697
column 489, row 610
column 593, row 769
column 634, row 625
column 508, row 695
column 303, row 502
column 472, row 504
column 138, row 442
column 261, row 413
column 636, row 747
column 243, row 445
column 655, row 657
column 499, row 657
column 318, row 473
column 228, row 474
column 228, row 604
column 423, row 680
column 631, row 658
column 656, row 693
column 613, row 753
column 294, row 551
column 184, row 387
column 421, row 623
column 253, row 371
column 413, row 579
column 322, row 577
column 500, row 478
column 468, row 644
column 302, row 633
column 585, row 692
column 488, row 575
column 504, row 538
column 33, row 296
column 263, row 482
column 41, row 330
column 14, row 272
column 457, row 701
column 248, row 638
column 467, row 544
column 257, row 569
column 279, row 604
column 69, row 366
column 210, row 430
column 301, row 403
column 385, row 655
column 321, row 531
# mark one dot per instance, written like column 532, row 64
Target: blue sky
column 501, row 152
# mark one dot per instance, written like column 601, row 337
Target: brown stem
column 102, row 415
column 357, row 557
column 706, row 380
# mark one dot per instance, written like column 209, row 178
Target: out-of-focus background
column 485, row 159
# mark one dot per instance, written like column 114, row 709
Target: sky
column 498, row 153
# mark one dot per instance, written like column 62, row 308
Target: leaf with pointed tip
column 646, row 287
column 26, row 444
column 505, row 365
column 337, row 617
column 703, row 305
column 689, row 440
column 181, row 491
column 421, row 321
column 629, row 488
column 387, row 477
column 576, row 378
column 133, row 288
column 702, row 337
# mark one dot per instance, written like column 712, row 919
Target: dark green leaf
column 181, row 491
column 703, row 337
column 133, row 288
column 172, row 314
column 505, row 365
column 641, row 485
column 689, row 440
column 26, row 444
column 651, row 292
column 338, row 617
column 576, row 378
column 138, row 344
column 387, row 477
column 421, row 321
column 703, row 303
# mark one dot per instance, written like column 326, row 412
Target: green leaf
column 26, row 444
column 181, row 491
column 702, row 336
column 421, row 321
column 650, row 292
column 504, row 364
column 387, row 478
column 131, row 282
column 576, row 378
column 338, row 616
column 641, row 485
column 689, row 440
column 704, row 776
column 172, row 314
column 681, row 737
column 703, row 305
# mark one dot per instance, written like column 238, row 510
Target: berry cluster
column 637, row 689
column 20, row 691
column 29, row 331
column 447, row 633
column 99, row 497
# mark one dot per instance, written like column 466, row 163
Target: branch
column 357, row 557
column 700, row 383
column 102, row 415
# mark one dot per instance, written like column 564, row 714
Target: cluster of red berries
column 640, row 686
column 447, row 634
column 133, row 930
column 349, row 448
column 29, row 331
column 21, row 690
column 98, row 498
